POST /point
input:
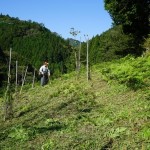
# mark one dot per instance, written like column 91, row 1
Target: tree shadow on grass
column 29, row 109
column 46, row 127
column 108, row 145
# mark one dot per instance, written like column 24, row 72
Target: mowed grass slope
column 70, row 114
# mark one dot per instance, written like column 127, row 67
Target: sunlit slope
column 71, row 113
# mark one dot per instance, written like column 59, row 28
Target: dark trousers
column 44, row 80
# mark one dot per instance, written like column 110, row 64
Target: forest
column 32, row 44
column 98, row 101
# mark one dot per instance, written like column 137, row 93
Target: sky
column 87, row 16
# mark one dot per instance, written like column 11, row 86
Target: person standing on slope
column 44, row 73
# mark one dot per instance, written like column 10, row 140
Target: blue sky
column 87, row 16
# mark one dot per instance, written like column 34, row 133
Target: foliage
column 130, row 71
column 134, row 16
column 110, row 45
column 113, row 133
column 74, row 114
column 145, row 133
column 20, row 133
column 32, row 44
column 48, row 145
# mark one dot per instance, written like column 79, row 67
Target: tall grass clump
column 133, row 72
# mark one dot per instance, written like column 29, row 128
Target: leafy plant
column 19, row 133
column 129, row 71
column 48, row 145
column 113, row 133
column 145, row 133
column 24, row 110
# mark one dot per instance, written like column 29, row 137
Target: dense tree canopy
column 133, row 15
column 33, row 42
column 111, row 44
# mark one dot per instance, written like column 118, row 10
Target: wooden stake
column 23, row 79
column 33, row 78
column 8, row 97
column 16, row 88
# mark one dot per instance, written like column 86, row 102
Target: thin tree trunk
column 88, row 67
column 87, row 60
column 80, row 54
column 33, row 78
column 8, row 113
column 16, row 88
column 78, row 61
column 23, row 79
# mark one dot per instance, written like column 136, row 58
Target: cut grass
column 73, row 114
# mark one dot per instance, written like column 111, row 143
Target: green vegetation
column 110, row 111
column 134, row 17
column 110, row 45
column 76, row 114
column 134, row 72
column 32, row 44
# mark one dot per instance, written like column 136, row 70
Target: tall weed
column 133, row 72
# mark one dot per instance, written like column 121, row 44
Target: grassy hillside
column 75, row 114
